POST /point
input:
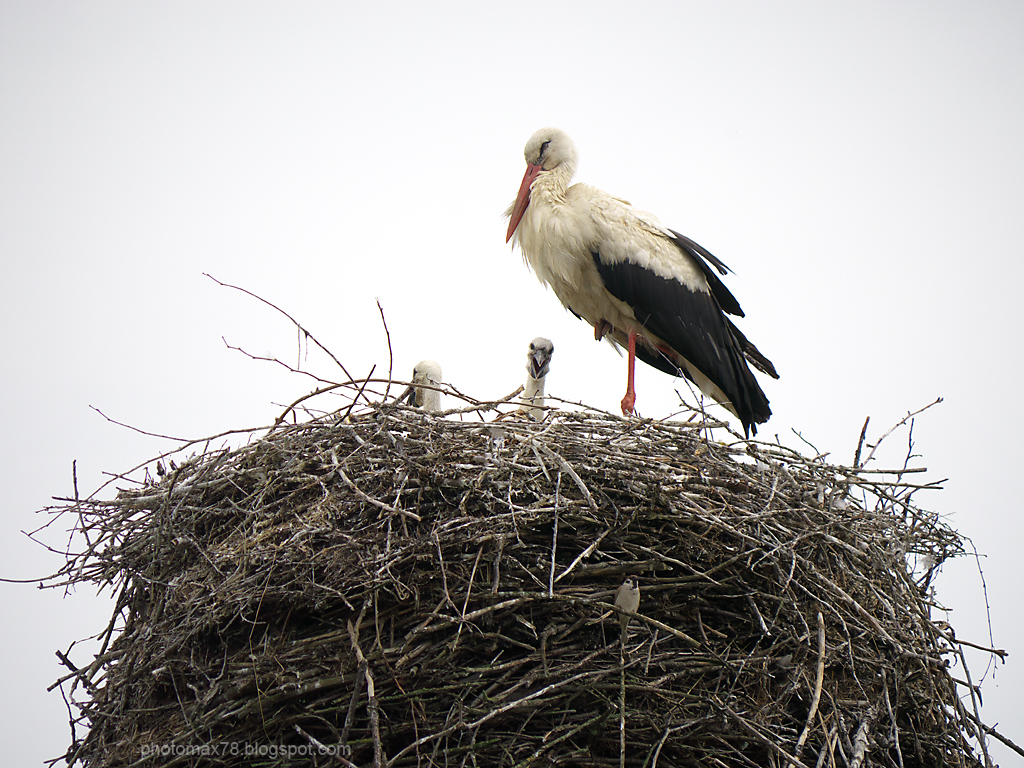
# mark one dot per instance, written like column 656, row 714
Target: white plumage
column 538, row 362
column 425, row 391
column 635, row 281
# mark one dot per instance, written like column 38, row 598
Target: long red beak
column 523, row 199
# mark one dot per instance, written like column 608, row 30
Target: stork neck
column 431, row 400
column 550, row 186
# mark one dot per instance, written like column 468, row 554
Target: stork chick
column 538, row 361
column 424, row 392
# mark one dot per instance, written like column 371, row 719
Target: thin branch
column 896, row 426
column 391, row 354
column 297, row 324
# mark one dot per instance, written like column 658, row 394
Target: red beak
column 523, row 199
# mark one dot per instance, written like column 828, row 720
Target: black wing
column 693, row 325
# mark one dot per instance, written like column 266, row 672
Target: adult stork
column 538, row 362
column 638, row 283
column 425, row 390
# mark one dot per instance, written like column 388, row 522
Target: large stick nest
column 391, row 587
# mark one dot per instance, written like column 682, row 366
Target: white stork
column 538, row 361
column 644, row 286
column 424, row 392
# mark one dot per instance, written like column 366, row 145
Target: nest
column 389, row 587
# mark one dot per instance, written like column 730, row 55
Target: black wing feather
column 754, row 356
column 702, row 256
column 724, row 297
column 693, row 325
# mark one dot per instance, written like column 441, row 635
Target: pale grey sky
column 860, row 167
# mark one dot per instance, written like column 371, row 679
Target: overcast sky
column 861, row 170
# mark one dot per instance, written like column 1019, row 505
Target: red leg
column 630, row 399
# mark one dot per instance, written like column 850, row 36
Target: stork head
column 538, row 358
column 550, row 148
column 547, row 149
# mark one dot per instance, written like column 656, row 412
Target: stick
column 324, row 749
column 576, row 478
column 895, row 729
column 584, row 554
column 760, row 738
column 897, row 425
column 622, row 708
column 860, row 443
column 391, row 355
column 819, row 679
column 861, row 739
column 554, row 538
column 974, row 703
column 371, row 696
column 375, row 502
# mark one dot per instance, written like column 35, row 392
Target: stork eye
column 544, row 147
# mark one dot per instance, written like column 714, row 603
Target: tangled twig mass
column 381, row 586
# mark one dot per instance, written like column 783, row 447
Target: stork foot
column 628, row 402
column 602, row 327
